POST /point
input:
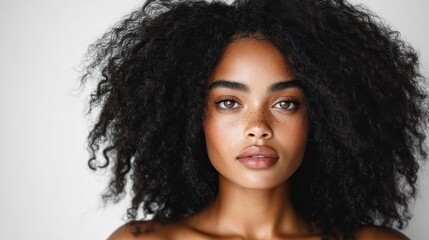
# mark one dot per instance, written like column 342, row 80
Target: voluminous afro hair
column 367, row 106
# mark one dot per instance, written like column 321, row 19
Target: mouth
column 258, row 157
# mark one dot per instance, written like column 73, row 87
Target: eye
column 286, row 105
column 227, row 104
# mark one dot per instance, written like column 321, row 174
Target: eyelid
column 227, row 98
column 294, row 101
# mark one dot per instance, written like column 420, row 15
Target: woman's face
column 256, row 123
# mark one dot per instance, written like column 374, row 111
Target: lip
column 258, row 157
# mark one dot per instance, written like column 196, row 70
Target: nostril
column 259, row 130
column 264, row 135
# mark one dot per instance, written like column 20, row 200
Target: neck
column 253, row 213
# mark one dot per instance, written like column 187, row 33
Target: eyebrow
column 244, row 88
column 229, row 84
column 285, row 84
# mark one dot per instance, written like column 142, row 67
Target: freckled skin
column 251, row 203
column 257, row 64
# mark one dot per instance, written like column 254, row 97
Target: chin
column 259, row 180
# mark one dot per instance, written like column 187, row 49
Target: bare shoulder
column 139, row 230
column 379, row 233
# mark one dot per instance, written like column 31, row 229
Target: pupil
column 229, row 104
column 285, row 104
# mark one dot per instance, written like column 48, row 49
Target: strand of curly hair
column 365, row 95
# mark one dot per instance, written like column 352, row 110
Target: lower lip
column 258, row 163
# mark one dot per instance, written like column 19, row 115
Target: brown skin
column 251, row 203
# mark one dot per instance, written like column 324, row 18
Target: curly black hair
column 367, row 107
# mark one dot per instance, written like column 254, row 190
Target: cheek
column 294, row 134
column 292, row 138
column 215, row 136
column 300, row 133
column 220, row 135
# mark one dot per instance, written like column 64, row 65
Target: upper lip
column 258, row 151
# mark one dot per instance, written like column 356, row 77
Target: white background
column 46, row 189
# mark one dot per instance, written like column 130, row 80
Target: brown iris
column 229, row 104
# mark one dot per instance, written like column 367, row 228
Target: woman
column 270, row 119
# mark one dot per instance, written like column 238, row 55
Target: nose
column 259, row 128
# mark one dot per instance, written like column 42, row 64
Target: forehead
column 250, row 58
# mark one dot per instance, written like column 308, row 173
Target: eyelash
column 294, row 104
column 222, row 101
